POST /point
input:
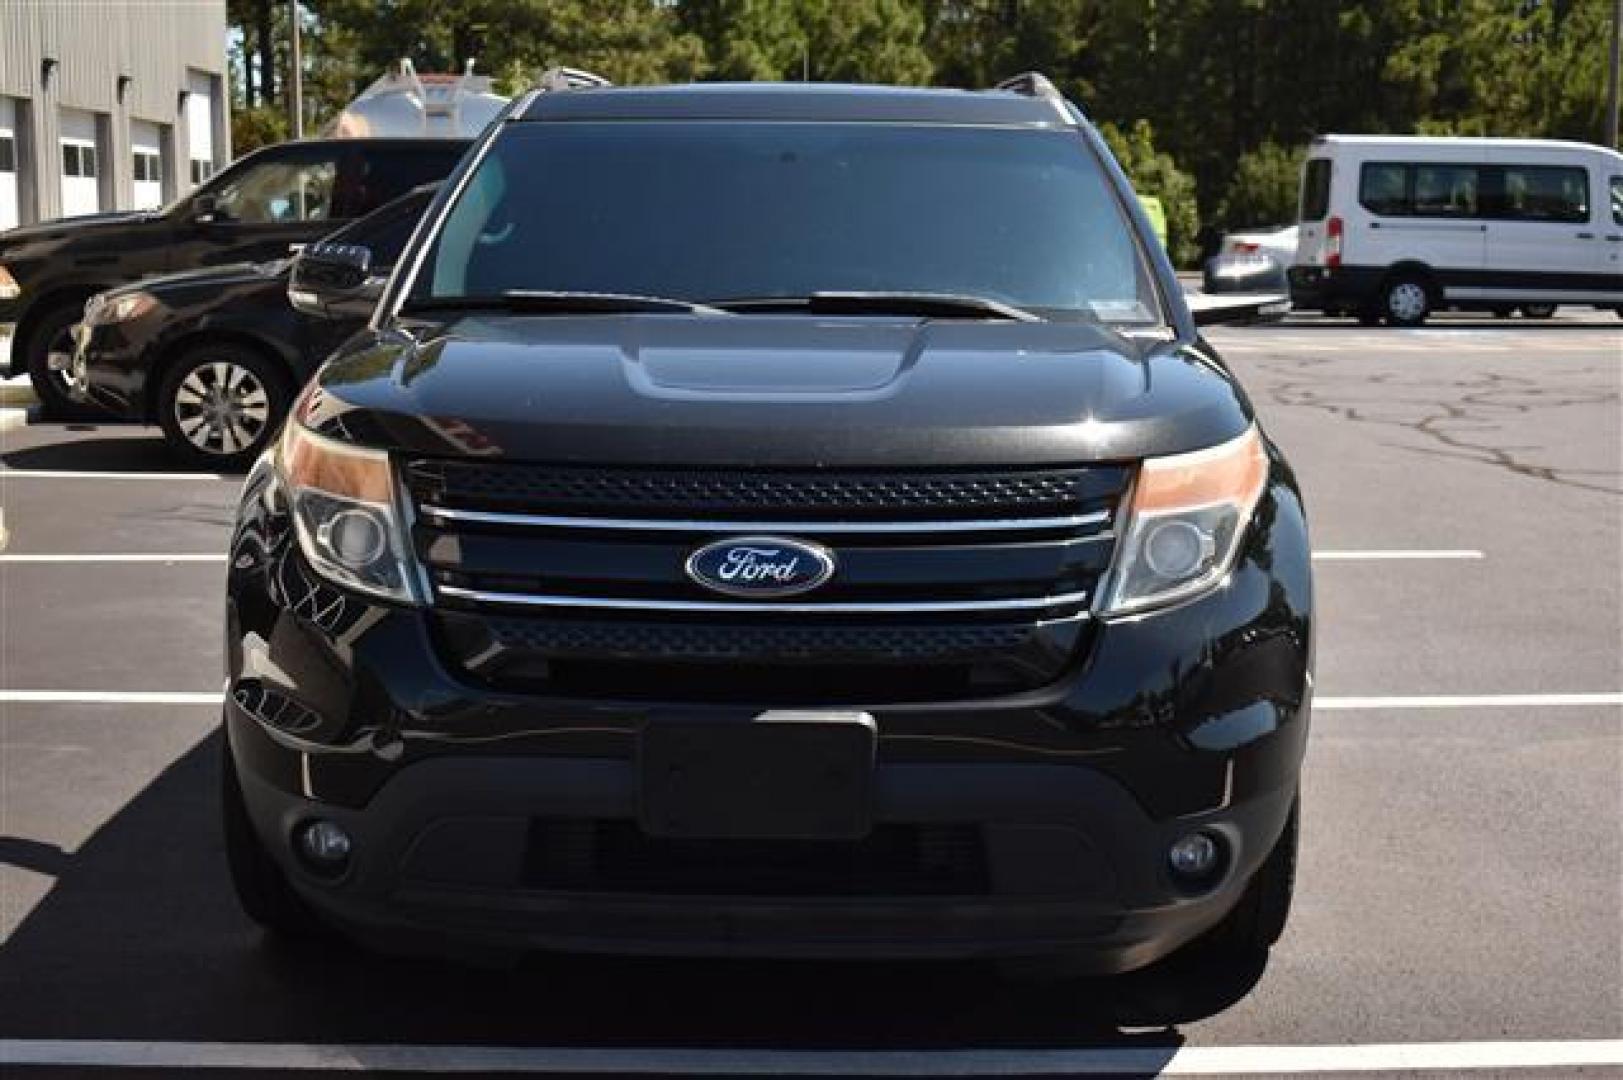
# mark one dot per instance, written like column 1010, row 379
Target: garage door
column 146, row 144
column 81, row 190
column 200, row 125
column 10, row 200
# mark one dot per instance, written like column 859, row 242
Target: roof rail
column 567, row 78
column 1031, row 84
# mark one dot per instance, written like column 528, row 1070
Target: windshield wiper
column 561, row 303
column 931, row 305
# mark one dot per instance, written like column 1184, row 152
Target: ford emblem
column 761, row 566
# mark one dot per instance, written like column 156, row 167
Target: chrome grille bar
column 737, row 607
column 488, row 517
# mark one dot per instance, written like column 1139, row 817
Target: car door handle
column 1586, row 236
column 1615, row 239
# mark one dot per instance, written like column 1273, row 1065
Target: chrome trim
column 899, row 607
column 485, row 517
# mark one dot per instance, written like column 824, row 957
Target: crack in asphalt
column 1460, row 415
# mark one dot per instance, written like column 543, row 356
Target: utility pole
column 1612, row 74
column 295, row 82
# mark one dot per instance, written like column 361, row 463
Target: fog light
column 324, row 846
column 1194, row 856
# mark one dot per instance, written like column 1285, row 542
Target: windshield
column 709, row 212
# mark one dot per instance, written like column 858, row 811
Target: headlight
column 9, row 289
column 1184, row 525
column 103, row 310
column 344, row 511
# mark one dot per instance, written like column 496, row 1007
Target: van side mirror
column 334, row 280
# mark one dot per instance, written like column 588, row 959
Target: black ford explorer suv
column 266, row 203
column 778, row 521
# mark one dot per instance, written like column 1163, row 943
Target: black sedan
column 215, row 356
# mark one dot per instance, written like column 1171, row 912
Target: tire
column 1503, row 312
column 51, row 334
column 1258, row 920
column 221, row 403
column 261, row 887
column 1538, row 311
column 1405, row 300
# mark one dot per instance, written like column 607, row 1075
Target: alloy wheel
column 221, row 408
column 1407, row 301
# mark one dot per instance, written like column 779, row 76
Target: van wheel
column 1405, row 300
column 260, row 885
column 1538, row 311
column 46, row 353
column 1258, row 920
column 1503, row 311
column 221, row 403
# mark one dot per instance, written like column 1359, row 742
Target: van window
column 1316, row 190
column 1445, row 190
column 1383, row 188
column 1617, row 200
column 1545, row 193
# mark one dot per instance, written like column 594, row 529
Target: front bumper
column 1190, row 719
column 110, row 367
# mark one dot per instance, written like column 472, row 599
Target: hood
column 213, row 277
column 787, row 390
column 57, row 228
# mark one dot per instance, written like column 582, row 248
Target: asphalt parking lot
column 1461, row 881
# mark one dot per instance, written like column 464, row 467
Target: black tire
column 260, row 885
column 49, row 335
column 1258, row 920
column 1538, row 311
column 1405, row 300
column 221, row 403
column 1503, row 311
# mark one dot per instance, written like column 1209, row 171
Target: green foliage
column 1232, row 89
column 256, row 127
column 1155, row 174
column 1264, row 188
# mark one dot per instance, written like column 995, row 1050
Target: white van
column 1396, row 227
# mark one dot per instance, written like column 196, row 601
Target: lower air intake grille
column 893, row 860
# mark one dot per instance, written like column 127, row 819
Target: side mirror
column 334, row 280
column 205, row 210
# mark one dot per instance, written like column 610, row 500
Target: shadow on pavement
column 140, row 939
column 92, row 448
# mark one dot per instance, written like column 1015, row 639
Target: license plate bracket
column 781, row 774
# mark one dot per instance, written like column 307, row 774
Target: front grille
column 612, row 856
column 660, row 493
column 947, row 584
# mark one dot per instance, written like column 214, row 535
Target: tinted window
column 1446, row 190
column 727, row 211
column 297, row 189
column 1421, row 189
column 8, row 154
column 1316, row 190
column 382, row 174
column 1544, row 193
column 1383, row 188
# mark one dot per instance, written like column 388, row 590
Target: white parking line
column 70, row 474
column 660, row 1061
column 1397, row 555
column 111, row 697
column 1466, row 701
column 196, row 557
